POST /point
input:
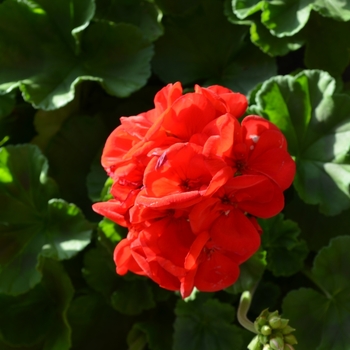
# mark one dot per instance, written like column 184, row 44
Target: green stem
column 243, row 308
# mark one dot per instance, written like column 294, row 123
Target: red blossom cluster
column 189, row 180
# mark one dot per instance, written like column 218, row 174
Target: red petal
column 216, row 272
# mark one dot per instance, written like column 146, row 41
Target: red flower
column 189, row 180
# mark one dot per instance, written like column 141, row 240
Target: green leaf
column 249, row 68
column 205, row 326
column 111, row 231
column 158, row 335
column 95, row 325
column 272, row 45
column 251, row 272
column 45, row 227
column 143, row 14
column 320, row 33
column 99, row 271
column 244, row 8
column 197, row 46
column 322, row 320
column 129, row 296
column 316, row 121
column 96, row 178
column 286, row 18
column 7, row 103
column 71, row 152
column 48, row 123
column 133, row 297
column 50, row 51
column 49, row 302
column 337, row 9
column 316, row 229
column 179, row 7
column 285, row 251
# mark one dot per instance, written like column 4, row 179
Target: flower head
column 188, row 181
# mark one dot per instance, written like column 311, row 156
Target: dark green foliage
column 69, row 69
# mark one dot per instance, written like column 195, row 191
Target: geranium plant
column 219, row 218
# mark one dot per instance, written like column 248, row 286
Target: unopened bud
column 254, row 344
column 277, row 343
column 259, row 322
column 273, row 314
column 267, row 347
column 288, row 347
column 284, row 322
column 290, row 339
column 265, row 330
column 263, row 339
column 275, row 322
column 287, row 330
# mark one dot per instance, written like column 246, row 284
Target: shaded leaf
column 320, row 33
column 129, row 296
column 316, row 229
column 197, row 46
column 143, row 14
column 251, row 272
column 45, row 227
column 205, row 325
column 133, row 297
column 324, row 315
column 40, row 314
column 249, row 68
column 71, row 152
column 157, row 334
column 95, row 325
column 286, row 252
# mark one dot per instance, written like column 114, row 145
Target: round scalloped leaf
column 197, row 46
column 141, row 13
column 286, row 18
column 286, row 252
column 316, row 121
column 244, row 8
column 32, row 224
column 205, row 326
column 325, row 315
column 52, row 47
column 337, row 9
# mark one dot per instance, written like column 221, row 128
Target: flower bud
column 254, row 344
column 290, row 339
column 265, row 330
column 267, row 347
column 259, row 322
column 277, row 343
column 287, row 330
column 273, row 314
column 275, row 322
column 284, row 322
column 288, row 347
column 263, row 339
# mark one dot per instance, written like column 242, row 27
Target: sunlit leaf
column 316, row 121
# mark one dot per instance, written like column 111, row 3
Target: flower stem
column 243, row 308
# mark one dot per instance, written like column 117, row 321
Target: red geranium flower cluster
column 189, row 180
